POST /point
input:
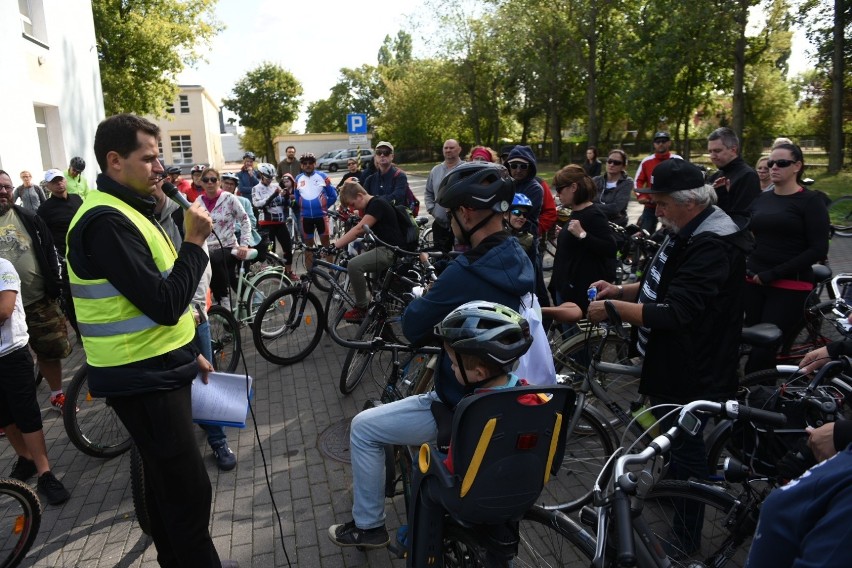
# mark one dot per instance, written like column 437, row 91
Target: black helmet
column 478, row 185
column 173, row 170
column 78, row 163
column 486, row 330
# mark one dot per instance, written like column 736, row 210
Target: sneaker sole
column 367, row 546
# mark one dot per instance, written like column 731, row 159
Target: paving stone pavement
column 279, row 449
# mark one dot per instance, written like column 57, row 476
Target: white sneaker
column 225, row 303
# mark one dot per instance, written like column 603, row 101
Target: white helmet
column 267, row 170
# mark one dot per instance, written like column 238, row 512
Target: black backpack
column 408, row 227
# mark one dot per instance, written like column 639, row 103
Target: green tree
column 357, row 90
column 265, row 98
column 144, row 44
column 253, row 140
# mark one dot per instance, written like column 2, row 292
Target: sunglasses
column 383, row 152
column 209, row 180
column 615, row 162
column 518, row 213
column 518, row 165
column 780, row 163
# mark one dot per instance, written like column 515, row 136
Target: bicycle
column 658, row 523
column 94, row 428
column 20, row 519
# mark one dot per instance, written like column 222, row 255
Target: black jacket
column 745, row 187
column 613, row 202
column 45, row 253
column 696, row 322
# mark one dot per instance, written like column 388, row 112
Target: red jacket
column 646, row 168
column 547, row 216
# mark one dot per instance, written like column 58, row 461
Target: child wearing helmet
column 516, row 218
column 273, row 203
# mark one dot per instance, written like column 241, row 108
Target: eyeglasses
column 7, row 187
column 209, row 180
column 615, row 162
column 660, row 141
column 781, row 163
column 518, row 165
column 383, row 152
column 518, row 212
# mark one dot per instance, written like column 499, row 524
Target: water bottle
column 592, row 293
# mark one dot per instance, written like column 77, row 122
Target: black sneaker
column 350, row 535
column 225, row 458
column 24, row 469
column 52, row 489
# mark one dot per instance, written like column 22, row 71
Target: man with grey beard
column 688, row 308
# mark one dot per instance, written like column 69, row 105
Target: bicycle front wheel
column 263, row 286
column 357, row 362
column 698, row 523
column 288, row 326
column 20, row 518
column 138, row 490
column 94, row 428
column 225, row 339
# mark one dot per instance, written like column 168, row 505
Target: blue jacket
column 806, row 522
column 247, row 182
column 498, row 270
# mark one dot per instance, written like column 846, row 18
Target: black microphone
column 172, row 192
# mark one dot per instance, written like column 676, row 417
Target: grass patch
column 835, row 185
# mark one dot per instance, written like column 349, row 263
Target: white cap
column 50, row 175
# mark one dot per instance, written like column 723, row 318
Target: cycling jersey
column 270, row 202
column 314, row 194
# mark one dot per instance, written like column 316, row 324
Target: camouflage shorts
column 48, row 330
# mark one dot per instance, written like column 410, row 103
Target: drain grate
column 334, row 441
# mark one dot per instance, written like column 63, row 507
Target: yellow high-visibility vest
column 114, row 331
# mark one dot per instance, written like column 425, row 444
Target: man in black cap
column 662, row 152
column 688, row 308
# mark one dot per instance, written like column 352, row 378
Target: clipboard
column 223, row 401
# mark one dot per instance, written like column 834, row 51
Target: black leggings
column 224, row 267
column 784, row 308
column 278, row 232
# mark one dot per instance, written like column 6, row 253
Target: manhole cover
column 334, row 441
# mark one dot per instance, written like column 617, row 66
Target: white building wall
column 56, row 69
column 201, row 124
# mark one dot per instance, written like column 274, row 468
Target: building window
column 181, row 149
column 160, row 151
column 32, row 20
column 43, row 138
column 170, row 108
column 184, row 104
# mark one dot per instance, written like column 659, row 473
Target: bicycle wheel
column 94, row 428
column 288, row 326
column 358, row 361
column 587, row 449
column 575, row 354
column 427, row 241
column 417, row 375
column 20, row 518
column 262, row 286
column 549, row 538
column 698, row 523
column 768, row 377
column 138, row 491
column 840, row 216
column 225, row 339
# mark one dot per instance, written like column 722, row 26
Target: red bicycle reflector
column 526, row 441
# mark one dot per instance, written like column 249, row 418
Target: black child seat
column 505, row 445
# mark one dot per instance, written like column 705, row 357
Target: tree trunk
column 592, row 70
column 835, row 145
column 738, row 106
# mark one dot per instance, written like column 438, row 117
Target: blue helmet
column 521, row 200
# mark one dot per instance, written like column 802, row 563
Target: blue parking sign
column 356, row 123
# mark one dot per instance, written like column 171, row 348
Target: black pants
column 784, row 308
column 176, row 483
column 279, row 232
column 224, row 267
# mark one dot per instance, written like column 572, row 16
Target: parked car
column 339, row 159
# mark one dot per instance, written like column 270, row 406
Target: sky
column 315, row 45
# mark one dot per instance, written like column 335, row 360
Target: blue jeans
column 648, row 220
column 407, row 422
column 215, row 434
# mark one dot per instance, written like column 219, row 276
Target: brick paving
column 293, row 406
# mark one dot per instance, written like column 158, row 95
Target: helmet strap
column 465, row 233
column 475, row 384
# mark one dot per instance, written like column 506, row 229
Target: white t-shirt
column 13, row 331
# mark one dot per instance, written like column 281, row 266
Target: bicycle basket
column 782, row 452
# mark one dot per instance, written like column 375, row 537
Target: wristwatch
column 582, row 235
